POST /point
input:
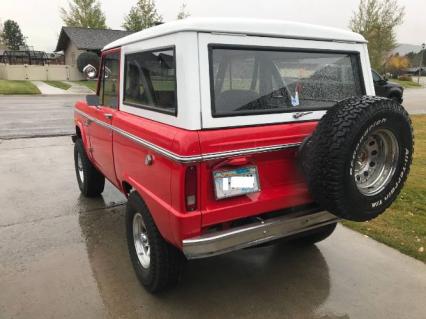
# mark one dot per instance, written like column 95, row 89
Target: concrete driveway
column 65, row 256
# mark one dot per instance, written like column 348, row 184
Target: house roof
column 88, row 39
column 272, row 28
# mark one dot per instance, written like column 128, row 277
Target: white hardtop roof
column 272, row 28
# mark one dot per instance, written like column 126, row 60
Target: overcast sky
column 40, row 21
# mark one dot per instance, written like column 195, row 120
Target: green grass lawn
column 406, row 84
column 58, row 84
column 403, row 226
column 18, row 87
column 91, row 84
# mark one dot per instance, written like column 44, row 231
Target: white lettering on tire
column 398, row 181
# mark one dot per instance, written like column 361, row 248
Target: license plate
column 236, row 182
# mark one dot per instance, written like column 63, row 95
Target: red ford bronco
column 230, row 133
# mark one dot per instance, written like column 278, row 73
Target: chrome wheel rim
column 141, row 241
column 376, row 161
column 80, row 168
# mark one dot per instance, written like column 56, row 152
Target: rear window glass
column 150, row 80
column 247, row 81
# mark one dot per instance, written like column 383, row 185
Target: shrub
column 86, row 58
column 405, row 77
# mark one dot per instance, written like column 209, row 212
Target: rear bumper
column 254, row 234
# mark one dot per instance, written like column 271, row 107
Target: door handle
column 108, row 116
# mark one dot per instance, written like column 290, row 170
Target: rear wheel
column 90, row 181
column 157, row 264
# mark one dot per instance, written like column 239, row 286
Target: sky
column 41, row 23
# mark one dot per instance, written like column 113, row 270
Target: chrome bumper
column 254, row 234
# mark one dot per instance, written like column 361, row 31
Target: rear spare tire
column 359, row 156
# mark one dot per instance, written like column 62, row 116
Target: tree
column 12, row 36
column 142, row 16
column 397, row 63
column 415, row 57
column 84, row 13
column 183, row 14
column 2, row 46
column 377, row 20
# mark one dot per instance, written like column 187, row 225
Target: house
column 75, row 40
column 415, row 71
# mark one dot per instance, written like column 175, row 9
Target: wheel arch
column 158, row 211
column 395, row 93
column 81, row 133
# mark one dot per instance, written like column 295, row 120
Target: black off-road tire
column 328, row 156
column 93, row 182
column 166, row 261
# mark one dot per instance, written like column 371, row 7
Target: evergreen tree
column 183, row 14
column 84, row 13
column 141, row 16
column 12, row 36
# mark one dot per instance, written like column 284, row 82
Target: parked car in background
column 230, row 133
column 387, row 89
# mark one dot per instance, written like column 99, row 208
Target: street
column 65, row 256
column 415, row 100
column 29, row 116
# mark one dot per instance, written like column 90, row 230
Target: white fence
column 40, row 72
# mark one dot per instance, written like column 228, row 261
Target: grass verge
column 18, row 87
column 90, row 84
column 58, row 84
column 406, row 84
column 403, row 225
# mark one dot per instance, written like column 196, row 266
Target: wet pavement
column 29, row 116
column 64, row 256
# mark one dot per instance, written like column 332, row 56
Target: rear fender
column 159, row 209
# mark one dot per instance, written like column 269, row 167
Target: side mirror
column 90, row 72
column 92, row 100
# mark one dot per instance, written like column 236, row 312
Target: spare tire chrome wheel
column 376, row 162
column 359, row 156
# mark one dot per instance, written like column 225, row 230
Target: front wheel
column 90, row 181
column 157, row 263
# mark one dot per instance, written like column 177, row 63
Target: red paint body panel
column 281, row 182
column 160, row 183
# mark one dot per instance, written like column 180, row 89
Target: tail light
column 191, row 188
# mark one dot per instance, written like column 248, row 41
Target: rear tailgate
column 281, row 182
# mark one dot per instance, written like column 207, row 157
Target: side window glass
column 150, row 80
column 376, row 77
column 108, row 93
